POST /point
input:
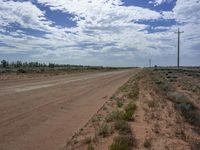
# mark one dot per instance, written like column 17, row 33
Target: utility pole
column 178, row 55
column 149, row 63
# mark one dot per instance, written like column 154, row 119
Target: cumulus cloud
column 105, row 30
column 159, row 2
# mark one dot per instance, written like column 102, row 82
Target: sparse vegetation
column 115, row 115
column 119, row 103
column 134, row 92
column 162, row 84
column 105, row 130
column 87, row 140
column 181, row 102
column 123, row 142
column 147, row 143
column 90, row 147
column 129, row 111
column 152, row 104
column 164, row 100
column 122, row 127
column 196, row 145
column 127, row 114
column 178, row 98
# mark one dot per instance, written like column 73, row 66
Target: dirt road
column 42, row 114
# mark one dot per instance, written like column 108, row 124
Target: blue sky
column 100, row 32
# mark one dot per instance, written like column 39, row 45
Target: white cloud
column 26, row 14
column 187, row 11
column 159, row 2
column 106, row 29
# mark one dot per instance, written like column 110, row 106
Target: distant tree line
column 18, row 64
column 34, row 65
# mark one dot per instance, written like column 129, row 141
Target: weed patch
column 123, row 142
column 129, row 111
column 147, row 143
column 119, row 103
column 105, row 130
column 122, row 127
column 178, row 98
column 196, row 145
column 90, row 147
column 115, row 115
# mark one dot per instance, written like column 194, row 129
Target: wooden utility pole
column 178, row 55
column 149, row 63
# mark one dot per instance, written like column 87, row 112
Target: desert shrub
column 129, row 111
column 119, row 103
column 105, row 130
column 147, row 143
column 152, row 104
column 21, row 71
column 125, row 87
column 196, row 88
column 196, row 145
column 164, row 85
column 87, row 140
column 185, row 107
column 123, row 142
column 192, row 116
column 168, row 77
column 131, row 107
column 127, row 114
column 178, row 98
column 90, row 147
column 115, row 115
column 123, row 127
column 134, row 92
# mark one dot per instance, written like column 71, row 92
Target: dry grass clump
column 122, row 127
column 119, row 103
column 90, row 147
column 105, row 130
column 178, row 98
column 147, row 143
column 115, row 115
column 129, row 111
column 123, row 142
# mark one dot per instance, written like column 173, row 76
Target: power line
column 178, row 55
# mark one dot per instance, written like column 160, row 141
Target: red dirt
column 42, row 114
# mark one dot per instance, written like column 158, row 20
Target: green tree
column 4, row 63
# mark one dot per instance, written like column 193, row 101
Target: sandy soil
column 157, row 123
column 42, row 114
